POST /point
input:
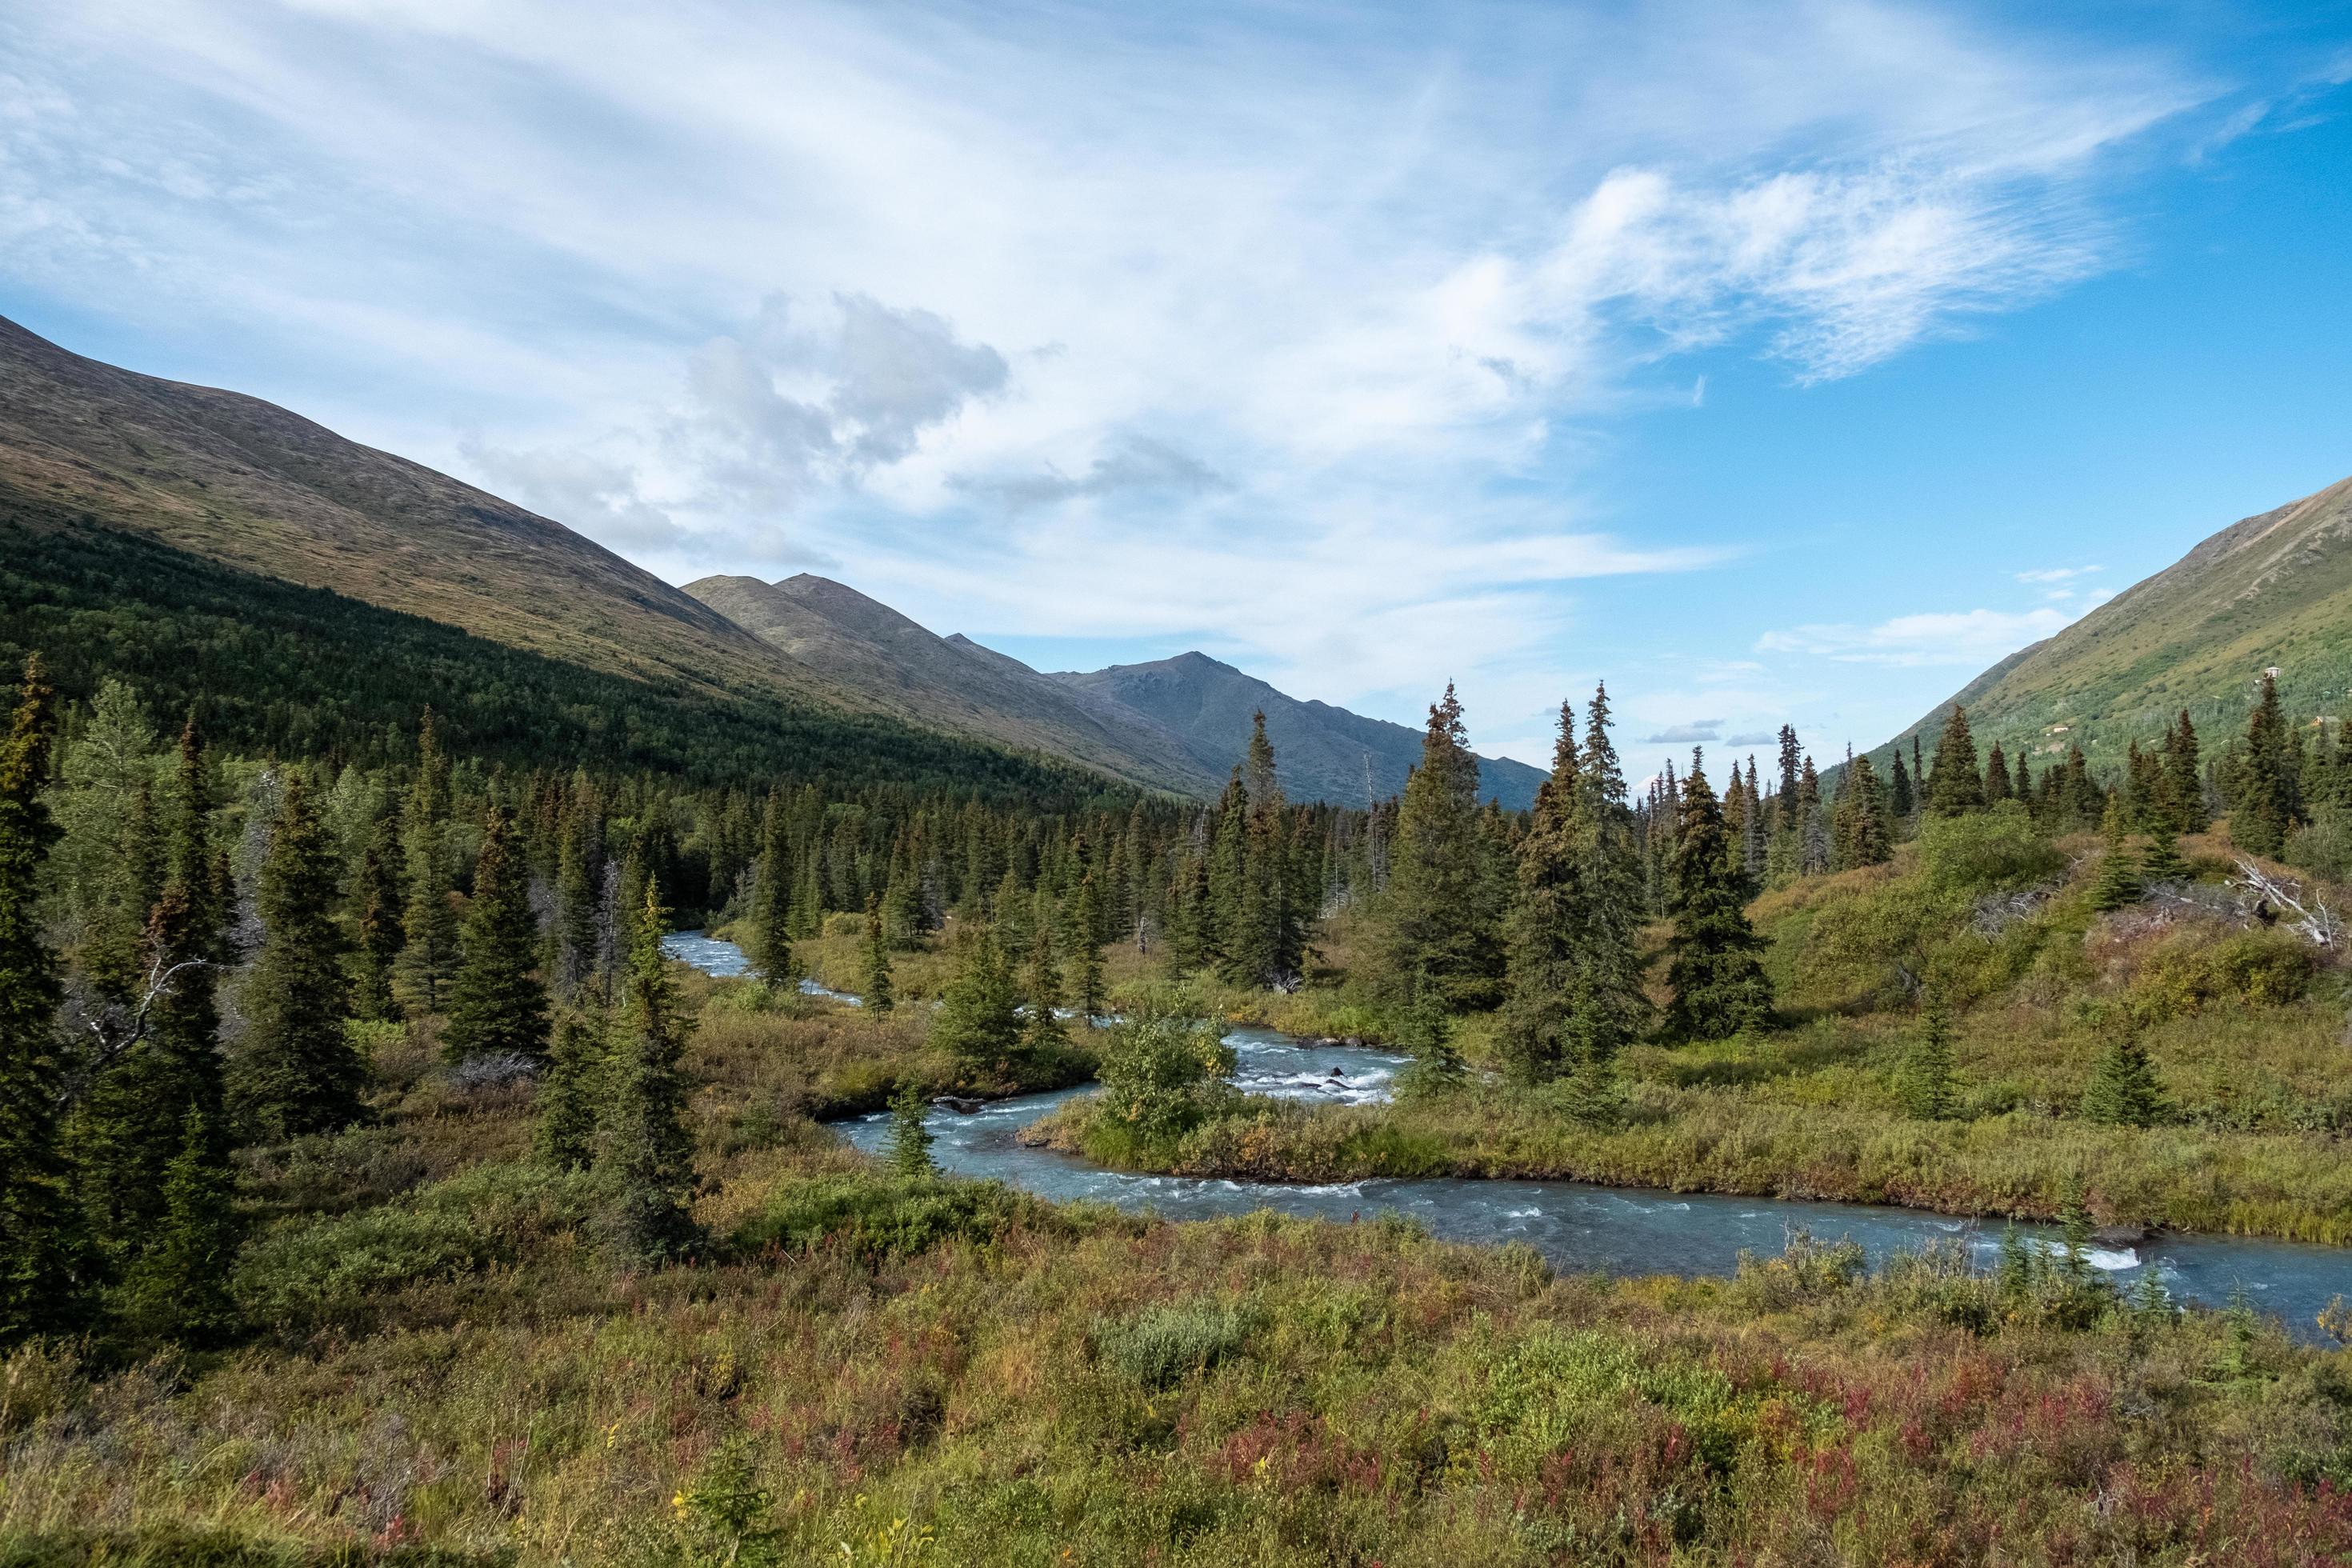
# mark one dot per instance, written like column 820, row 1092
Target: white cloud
column 1074, row 322
column 1694, row 730
column 586, row 491
column 1972, row 637
column 2057, row 573
column 1130, row 462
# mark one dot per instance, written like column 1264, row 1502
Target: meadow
column 868, row 1367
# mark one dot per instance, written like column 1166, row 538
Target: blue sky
column 1772, row 363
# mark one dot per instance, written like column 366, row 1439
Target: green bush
column 1806, row 1269
column 1987, row 852
column 878, row 1216
column 1162, row 1346
column 306, row 1274
column 1165, row 1069
column 2264, row 969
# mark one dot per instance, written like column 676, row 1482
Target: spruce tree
column 1955, row 786
column 430, row 956
column 1791, row 758
column 2183, row 777
column 37, row 1286
column 1042, row 1032
column 979, row 1020
column 579, row 890
column 1086, row 935
column 1930, row 1083
column 644, row 1154
column 2163, row 861
column 178, row 1286
column 2118, row 881
column 1546, row 924
column 297, row 1073
column 1240, row 952
column 770, row 944
column 106, row 865
column 570, row 1092
column 1998, row 786
column 1607, row 1002
column 496, row 1003
column 910, row 1149
column 1427, row 1034
column 1864, row 838
column 1813, row 825
column 134, row 1114
column 1718, row 984
column 877, row 996
column 2124, row 1091
column 1010, row 909
column 1900, row 790
column 1440, row 921
column 2261, row 797
column 1276, row 931
column 379, row 893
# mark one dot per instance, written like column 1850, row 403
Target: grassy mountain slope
column 2269, row 592
column 246, row 483
column 867, row 648
column 1323, row 751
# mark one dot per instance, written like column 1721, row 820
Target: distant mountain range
column 2271, row 592
column 245, row 484
column 1180, row 723
column 1321, row 752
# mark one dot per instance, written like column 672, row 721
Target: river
column 1576, row 1225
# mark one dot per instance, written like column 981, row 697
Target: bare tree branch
column 2317, row 924
column 116, row 1032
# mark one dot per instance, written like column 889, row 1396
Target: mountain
column 1180, row 724
column 113, row 485
column 864, row 646
column 2271, row 592
column 246, row 484
column 1323, row 752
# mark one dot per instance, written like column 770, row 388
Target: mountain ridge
column 2273, row 591
column 859, row 642
column 1181, row 723
column 1325, row 751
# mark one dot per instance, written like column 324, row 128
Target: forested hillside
column 244, row 483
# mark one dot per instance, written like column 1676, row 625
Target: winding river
column 1576, row 1225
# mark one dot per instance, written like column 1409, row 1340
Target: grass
column 443, row 1369
column 1027, row 1386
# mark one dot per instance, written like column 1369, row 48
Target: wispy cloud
column 1697, row 730
column 1131, row 463
column 1968, row 637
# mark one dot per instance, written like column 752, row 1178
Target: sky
column 1772, row 363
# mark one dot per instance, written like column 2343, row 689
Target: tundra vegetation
column 371, row 1187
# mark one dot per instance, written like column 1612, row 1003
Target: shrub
column 2268, row 969
column 894, row 1215
column 304, row 1274
column 308, row 1275
column 1162, row 1346
column 1805, row 1270
column 1165, row 1069
column 1984, row 852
